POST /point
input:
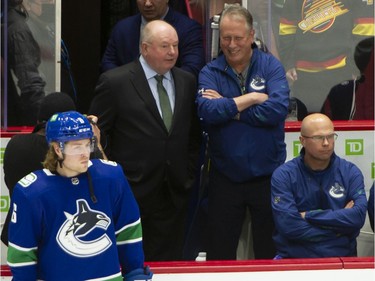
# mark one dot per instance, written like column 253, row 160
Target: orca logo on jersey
column 73, row 234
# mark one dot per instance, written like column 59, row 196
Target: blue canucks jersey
column 57, row 232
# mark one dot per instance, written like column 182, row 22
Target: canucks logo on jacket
column 78, row 226
column 258, row 83
column 337, row 191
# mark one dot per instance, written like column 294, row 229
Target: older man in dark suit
column 157, row 149
column 123, row 44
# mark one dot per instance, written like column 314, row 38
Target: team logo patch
column 27, row 180
column 258, row 83
column 337, row 191
column 75, row 181
column 73, row 233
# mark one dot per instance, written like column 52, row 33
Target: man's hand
column 242, row 102
column 211, row 94
column 96, row 131
column 245, row 101
column 291, row 75
column 349, row 205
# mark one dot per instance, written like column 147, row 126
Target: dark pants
column 227, row 205
column 163, row 228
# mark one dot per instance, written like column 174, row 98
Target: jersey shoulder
column 37, row 182
column 105, row 168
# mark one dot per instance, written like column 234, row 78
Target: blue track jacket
column 254, row 145
column 328, row 229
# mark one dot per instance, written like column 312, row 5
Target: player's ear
column 57, row 149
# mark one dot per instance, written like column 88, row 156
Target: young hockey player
column 76, row 219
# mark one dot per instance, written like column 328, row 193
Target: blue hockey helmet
column 68, row 126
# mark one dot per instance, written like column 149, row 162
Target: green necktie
column 166, row 109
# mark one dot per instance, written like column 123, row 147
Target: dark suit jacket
column 123, row 45
column 137, row 137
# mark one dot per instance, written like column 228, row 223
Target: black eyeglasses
column 331, row 137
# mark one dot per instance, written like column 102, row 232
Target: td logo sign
column 354, row 147
column 2, row 150
column 297, row 146
column 4, row 203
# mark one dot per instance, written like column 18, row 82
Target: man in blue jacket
column 242, row 100
column 124, row 44
column 318, row 199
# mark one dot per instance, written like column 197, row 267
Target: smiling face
column 160, row 46
column 152, row 9
column 236, row 38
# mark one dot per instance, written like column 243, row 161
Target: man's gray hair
column 239, row 12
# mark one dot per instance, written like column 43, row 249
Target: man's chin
column 149, row 16
column 84, row 168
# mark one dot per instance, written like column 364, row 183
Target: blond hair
column 51, row 160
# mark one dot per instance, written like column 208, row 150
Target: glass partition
column 326, row 47
column 30, row 53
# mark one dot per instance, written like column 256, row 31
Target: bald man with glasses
column 318, row 199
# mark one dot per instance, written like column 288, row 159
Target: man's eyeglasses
column 331, row 137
